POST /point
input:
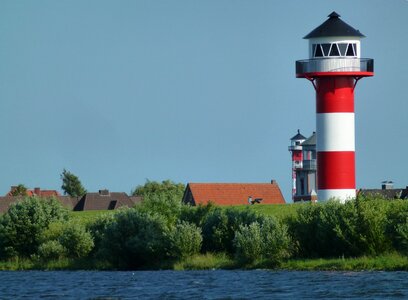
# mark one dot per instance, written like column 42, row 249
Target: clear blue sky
column 193, row 91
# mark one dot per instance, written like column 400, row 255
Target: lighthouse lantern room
column 334, row 68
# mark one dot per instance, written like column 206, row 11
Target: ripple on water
column 259, row 284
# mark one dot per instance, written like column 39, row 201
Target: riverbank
column 387, row 262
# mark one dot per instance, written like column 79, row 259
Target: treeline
column 161, row 230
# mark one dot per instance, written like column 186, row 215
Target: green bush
column 73, row 237
column 248, row 243
column 276, row 241
column 135, row 239
column 77, row 240
column 332, row 229
column 51, row 250
column 268, row 240
column 397, row 225
column 97, row 229
column 401, row 231
column 186, row 240
column 22, row 226
column 196, row 214
column 220, row 226
column 168, row 205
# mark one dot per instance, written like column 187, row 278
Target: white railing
column 334, row 65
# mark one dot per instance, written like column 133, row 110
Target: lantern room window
column 334, row 50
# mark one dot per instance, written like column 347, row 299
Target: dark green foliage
column 333, row 229
column 22, row 226
column 135, row 239
column 220, row 226
column 76, row 239
column 98, row 228
column 186, row 240
column 164, row 187
column 196, row 214
column 397, row 225
column 71, row 185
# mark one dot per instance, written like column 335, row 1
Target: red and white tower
column 297, row 158
column 334, row 68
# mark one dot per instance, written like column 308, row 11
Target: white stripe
column 342, row 195
column 335, row 132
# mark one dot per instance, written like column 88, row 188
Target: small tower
column 334, row 67
column 296, row 149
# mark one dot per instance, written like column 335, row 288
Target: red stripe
column 335, row 94
column 331, row 74
column 335, row 170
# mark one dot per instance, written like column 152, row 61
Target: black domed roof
column 334, row 26
column 298, row 136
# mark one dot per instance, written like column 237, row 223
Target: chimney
column 273, row 181
column 387, row 185
column 37, row 191
column 104, row 192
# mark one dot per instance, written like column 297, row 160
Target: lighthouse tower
column 334, row 67
column 297, row 158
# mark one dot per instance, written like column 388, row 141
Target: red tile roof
column 36, row 192
column 232, row 193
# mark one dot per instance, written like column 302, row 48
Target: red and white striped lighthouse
column 334, row 68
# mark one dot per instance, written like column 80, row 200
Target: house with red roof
column 233, row 193
column 35, row 192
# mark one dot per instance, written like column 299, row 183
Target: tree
column 21, row 227
column 71, row 185
column 164, row 187
column 164, row 198
column 20, row 190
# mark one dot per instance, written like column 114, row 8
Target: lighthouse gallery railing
column 331, row 64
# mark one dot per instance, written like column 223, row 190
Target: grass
column 385, row 262
column 215, row 261
column 280, row 211
column 87, row 216
column 208, row 261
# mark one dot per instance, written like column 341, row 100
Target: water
column 258, row 284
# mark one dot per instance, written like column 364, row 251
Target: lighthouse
column 334, row 67
column 297, row 162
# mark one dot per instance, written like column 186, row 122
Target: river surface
column 257, row 284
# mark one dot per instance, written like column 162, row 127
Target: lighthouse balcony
column 341, row 66
column 309, row 164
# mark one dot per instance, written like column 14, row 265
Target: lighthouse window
column 355, row 50
column 350, row 50
column 326, row 48
column 334, row 51
column 318, row 52
column 342, row 47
